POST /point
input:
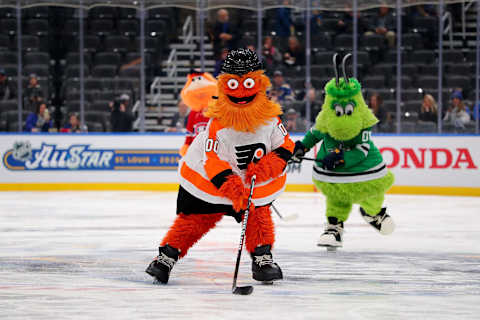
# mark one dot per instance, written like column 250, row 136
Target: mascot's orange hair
column 245, row 117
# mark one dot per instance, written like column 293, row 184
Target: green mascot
column 348, row 168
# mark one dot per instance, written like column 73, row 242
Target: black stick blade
column 243, row 290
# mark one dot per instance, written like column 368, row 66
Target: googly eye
column 199, row 78
column 232, row 84
column 338, row 110
column 349, row 109
column 249, row 83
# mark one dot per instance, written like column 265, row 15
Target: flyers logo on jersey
column 248, row 153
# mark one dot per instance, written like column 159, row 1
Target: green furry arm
column 312, row 138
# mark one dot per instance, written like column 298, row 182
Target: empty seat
column 107, row 58
column 37, row 27
column 74, row 105
column 30, row 43
column 71, row 27
column 324, row 58
column 8, row 105
column 343, row 42
column 100, row 105
column 374, row 81
column 39, row 69
column 7, row 13
column 8, row 26
column 106, row 95
column 428, row 82
column 412, row 106
column 90, row 44
column 391, row 56
column 128, row 27
column 421, row 57
column 384, row 68
column 452, row 56
column 124, row 85
column 36, row 12
column 372, row 42
column 74, row 58
column 73, row 71
column 456, row 81
column 151, row 44
column 104, row 71
column 37, row 58
column 407, row 126
column 321, row 41
column 426, row 127
column 93, row 84
column 411, row 41
column 4, row 42
column 460, row 68
column 154, row 28
column 132, row 56
column 471, row 56
column 101, row 27
column 131, row 72
column 390, row 105
column 117, row 43
column 10, row 69
column 412, row 94
column 363, row 58
column 127, row 13
column 425, row 24
column 8, row 57
column 430, row 70
column 103, row 12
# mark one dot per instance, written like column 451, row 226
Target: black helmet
column 241, row 61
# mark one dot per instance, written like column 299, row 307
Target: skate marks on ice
column 83, row 255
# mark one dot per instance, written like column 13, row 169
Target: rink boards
column 421, row 164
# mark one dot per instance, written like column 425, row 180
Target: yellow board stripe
column 123, row 186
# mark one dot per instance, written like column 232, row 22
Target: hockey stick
column 246, row 289
column 285, row 218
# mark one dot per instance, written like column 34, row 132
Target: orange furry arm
column 234, row 190
column 270, row 166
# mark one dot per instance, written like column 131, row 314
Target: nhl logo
column 22, row 150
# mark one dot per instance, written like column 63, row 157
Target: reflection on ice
column 83, row 255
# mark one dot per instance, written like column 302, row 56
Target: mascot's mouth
column 242, row 100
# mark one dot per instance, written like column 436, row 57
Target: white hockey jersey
column 218, row 149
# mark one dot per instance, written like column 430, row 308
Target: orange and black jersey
column 218, row 152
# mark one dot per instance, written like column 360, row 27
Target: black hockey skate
column 263, row 267
column 162, row 265
column 332, row 237
column 382, row 222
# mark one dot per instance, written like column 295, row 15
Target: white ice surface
column 82, row 255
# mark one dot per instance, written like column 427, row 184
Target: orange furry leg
column 188, row 229
column 260, row 228
column 270, row 166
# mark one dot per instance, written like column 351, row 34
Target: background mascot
column 196, row 94
column 348, row 168
column 244, row 137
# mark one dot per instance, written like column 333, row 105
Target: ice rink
column 82, row 255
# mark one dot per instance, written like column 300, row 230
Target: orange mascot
column 244, row 137
column 196, row 94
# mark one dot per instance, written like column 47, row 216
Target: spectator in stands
column 316, row 21
column 121, row 119
column 180, row 118
column 475, row 112
column 457, row 113
column 315, row 105
column 384, row 24
column 293, row 122
column 376, row 104
column 281, row 91
column 283, row 23
column 270, row 53
column 219, row 62
column 225, row 35
column 33, row 92
column 345, row 23
column 39, row 121
column 7, row 89
column 73, row 125
column 428, row 110
column 295, row 55
column 125, row 99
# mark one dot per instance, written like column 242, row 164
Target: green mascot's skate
column 348, row 168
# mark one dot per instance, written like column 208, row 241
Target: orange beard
column 243, row 117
